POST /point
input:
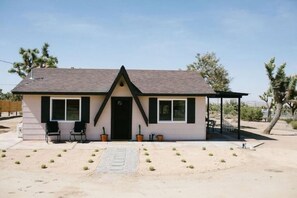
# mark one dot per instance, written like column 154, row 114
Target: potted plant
column 160, row 137
column 104, row 137
column 139, row 136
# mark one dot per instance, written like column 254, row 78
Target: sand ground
column 269, row 170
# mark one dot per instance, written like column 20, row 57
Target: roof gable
column 122, row 73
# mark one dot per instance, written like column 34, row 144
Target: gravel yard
column 166, row 169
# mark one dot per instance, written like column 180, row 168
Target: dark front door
column 121, row 118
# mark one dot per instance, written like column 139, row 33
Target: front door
column 121, row 118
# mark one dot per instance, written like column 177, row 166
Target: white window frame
column 171, row 121
column 65, row 111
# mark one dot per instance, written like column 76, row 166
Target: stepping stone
column 117, row 163
column 119, row 160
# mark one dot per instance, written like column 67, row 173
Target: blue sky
column 154, row 34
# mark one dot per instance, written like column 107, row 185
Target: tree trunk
column 278, row 111
column 293, row 112
column 269, row 114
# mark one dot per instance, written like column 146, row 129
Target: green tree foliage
column 283, row 89
column 212, row 71
column 251, row 113
column 292, row 104
column 31, row 59
column 9, row 96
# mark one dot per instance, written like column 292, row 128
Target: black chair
column 52, row 129
column 79, row 129
column 211, row 123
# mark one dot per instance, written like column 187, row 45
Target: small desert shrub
column 178, row 154
column 151, row 168
column 52, row 161
column 96, row 150
column 183, row 160
column 43, row 166
column 27, row 155
column 4, row 151
column 288, row 120
column 223, row 161
column 234, row 154
column 203, row 148
column 17, row 162
column 34, row 150
column 90, row 161
column 65, row 150
column 294, row 124
column 190, row 166
column 93, row 155
column 148, row 160
column 231, row 149
column 59, row 155
column 174, row 149
column 145, row 149
column 3, row 155
column 251, row 113
column 146, row 153
column 85, row 168
column 210, row 154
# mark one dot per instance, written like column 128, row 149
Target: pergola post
column 221, row 130
column 238, row 119
column 207, row 114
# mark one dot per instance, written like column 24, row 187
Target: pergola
column 222, row 95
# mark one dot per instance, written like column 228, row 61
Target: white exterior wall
column 173, row 131
column 34, row 129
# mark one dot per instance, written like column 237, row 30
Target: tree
column 32, row 60
column 292, row 104
column 9, row 96
column 265, row 97
column 46, row 61
column 283, row 89
column 212, row 71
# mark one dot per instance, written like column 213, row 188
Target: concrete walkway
column 8, row 140
column 119, row 160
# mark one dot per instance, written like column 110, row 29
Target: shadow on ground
column 215, row 135
column 7, row 118
column 4, row 129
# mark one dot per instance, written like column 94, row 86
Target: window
column 179, row 107
column 172, row 110
column 165, row 110
column 65, row 109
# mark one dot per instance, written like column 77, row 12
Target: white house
column 171, row 103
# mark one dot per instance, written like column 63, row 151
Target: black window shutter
column 153, row 110
column 191, row 110
column 45, row 109
column 85, row 109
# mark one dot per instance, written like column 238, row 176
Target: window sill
column 66, row 121
column 172, row 122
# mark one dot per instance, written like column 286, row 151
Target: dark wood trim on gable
column 121, row 73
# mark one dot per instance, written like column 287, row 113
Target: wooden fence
column 10, row 107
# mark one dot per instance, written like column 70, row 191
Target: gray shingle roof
column 99, row 81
